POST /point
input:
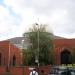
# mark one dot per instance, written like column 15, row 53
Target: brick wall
column 60, row 45
column 2, row 70
column 23, row 70
column 5, row 46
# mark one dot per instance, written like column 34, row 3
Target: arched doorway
column 66, row 57
column 14, row 60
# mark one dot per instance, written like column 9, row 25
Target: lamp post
column 37, row 57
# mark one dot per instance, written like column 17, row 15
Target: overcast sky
column 17, row 16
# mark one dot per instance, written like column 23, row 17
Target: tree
column 27, row 57
column 45, row 52
column 73, row 56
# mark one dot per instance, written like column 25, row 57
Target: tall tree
column 38, row 34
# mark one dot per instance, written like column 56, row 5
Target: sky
column 17, row 16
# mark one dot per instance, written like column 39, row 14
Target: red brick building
column 9, row 54
column 63, row 49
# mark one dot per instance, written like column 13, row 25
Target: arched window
column 0, row 58
column 14, row 60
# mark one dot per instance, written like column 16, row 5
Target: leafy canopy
column 44, row 54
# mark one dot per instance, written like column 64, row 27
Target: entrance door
column 14, row 60
column 66, row 57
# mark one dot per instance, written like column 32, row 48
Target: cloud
column 3, row 18
column 8, row 23
column 16, row 16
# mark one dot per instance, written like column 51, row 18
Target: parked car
column 62, row 71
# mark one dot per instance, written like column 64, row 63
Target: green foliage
column 28, row 57
column 45, row 52
column 73, row 56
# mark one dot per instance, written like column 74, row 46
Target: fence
column 22, row 70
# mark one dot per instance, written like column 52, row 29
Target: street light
column 37, row 57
